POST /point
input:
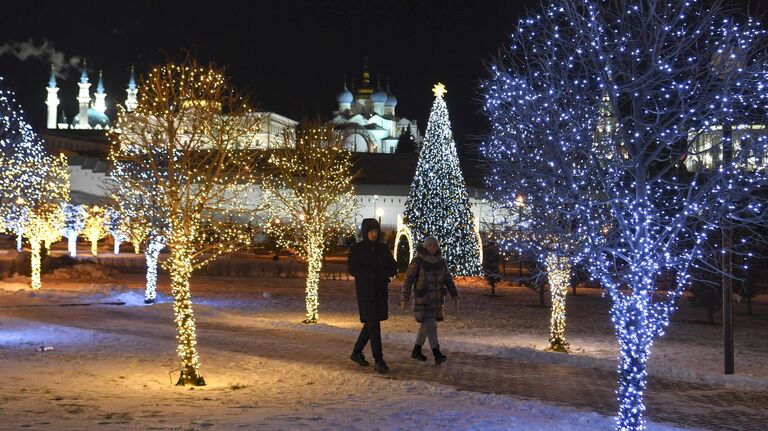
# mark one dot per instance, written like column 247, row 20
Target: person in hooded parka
column 430, row 279
column 372, row 265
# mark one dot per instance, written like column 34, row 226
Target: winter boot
column 381, row 366
column 416, row 354
column 359, row 358
column 439, row 357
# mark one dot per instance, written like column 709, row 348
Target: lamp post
column 379, row 213
column 375, row 200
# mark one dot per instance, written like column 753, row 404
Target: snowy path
column 252, row 362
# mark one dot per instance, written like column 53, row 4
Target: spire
column 366, row 77
column 53, row 99
column 132, row 80
column 132, row 101
column 365, row 90
column 100, row 85
column 52, row 81
column 84, row 73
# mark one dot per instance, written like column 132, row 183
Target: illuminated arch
column 403, row 230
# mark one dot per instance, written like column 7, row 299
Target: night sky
column 291, row 55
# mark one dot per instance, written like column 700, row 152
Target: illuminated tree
column 137, row 233
column 95, row 227
column 33, row 184
column 529, row 225
column 117, row 225
column 187, row 149
column 310, row 199
column 44, row 223
column 438, row 204
column 643, row 216
column 74, row 223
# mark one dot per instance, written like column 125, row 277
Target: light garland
column 601, row 120
column 438, row 203
column 310, row 200
column 182, row 171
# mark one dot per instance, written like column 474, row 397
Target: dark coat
column 372, row 264
column 430, row 279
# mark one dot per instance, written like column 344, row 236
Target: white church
column 366, row 118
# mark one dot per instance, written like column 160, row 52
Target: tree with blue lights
column 438, row 203
column 601, row 103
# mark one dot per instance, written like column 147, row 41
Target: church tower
column 83, row 99
column 364, row 92
column 131, row 102
column 101, row 103
column 53, row 99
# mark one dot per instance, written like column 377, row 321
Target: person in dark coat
column 430, row 279
column 372, row 265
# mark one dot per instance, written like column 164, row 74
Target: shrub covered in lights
column 310, row 199
column 438, row 203
column 604, row 115
column 186, row 150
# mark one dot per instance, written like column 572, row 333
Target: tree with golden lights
column 309, row 196
column 185, row 152
column 95, row 227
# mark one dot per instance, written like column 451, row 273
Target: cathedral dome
column 380, row 96
column 391, row 100
column 345, row 96
column 96, row 120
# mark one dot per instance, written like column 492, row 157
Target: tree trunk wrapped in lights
column 622, row 128
column 559, row 275
column 309, row 197
column 183, row 166
column 438, row 203
column 154, row 246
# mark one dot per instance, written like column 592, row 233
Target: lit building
column 366, row 117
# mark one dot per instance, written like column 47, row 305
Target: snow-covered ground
column 66, row 365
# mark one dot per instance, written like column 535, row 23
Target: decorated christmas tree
column 438, row 204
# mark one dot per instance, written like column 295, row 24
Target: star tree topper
column 439, row 90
